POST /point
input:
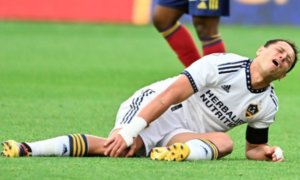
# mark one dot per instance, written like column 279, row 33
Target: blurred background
column 67, row 65
column 247, row 12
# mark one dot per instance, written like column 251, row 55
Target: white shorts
column 160, row 131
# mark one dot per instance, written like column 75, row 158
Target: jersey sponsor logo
column 211, row 5
column 65, row 149
column 220, row 110
column 226, row 87
column 251, row 110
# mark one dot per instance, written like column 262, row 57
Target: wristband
column 132, row 130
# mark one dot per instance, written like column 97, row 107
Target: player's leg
column 193, row 146
column 165, row 20
column 74, row 145
column 206, row 17
column 221, row 140
column 81, row 144
column 68, row 145
column 207, row 31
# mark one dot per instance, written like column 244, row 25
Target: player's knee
column 200, row 28
column 160, row 22
column 204, row 32
column 223, row 142
column 225, row 145
column 164, row 17
column 205, row 29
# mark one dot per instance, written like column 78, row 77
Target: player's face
column 276, row 59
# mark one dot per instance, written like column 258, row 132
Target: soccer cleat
column 13, row 149
column 176, row 152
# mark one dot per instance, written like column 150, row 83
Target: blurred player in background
column 206, row 16
column 185, row 117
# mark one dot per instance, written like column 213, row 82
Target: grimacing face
column 276, row 59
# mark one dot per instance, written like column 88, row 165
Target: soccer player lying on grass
column 186, row 117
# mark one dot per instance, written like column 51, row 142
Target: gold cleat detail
column 176, row 152
column 11, row 149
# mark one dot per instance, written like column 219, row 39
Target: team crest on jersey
column 251, row 110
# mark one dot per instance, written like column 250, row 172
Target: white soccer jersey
column 223, row 95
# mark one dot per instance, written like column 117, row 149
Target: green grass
column 58, row 79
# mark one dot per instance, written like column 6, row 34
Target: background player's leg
column 207, row 31
column 165, row 20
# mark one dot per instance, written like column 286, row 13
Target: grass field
column 58, row 79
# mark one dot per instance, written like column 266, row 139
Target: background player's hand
column 270, row 154
column 115, row 146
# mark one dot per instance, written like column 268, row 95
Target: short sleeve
column 202, row 73
column 263, row 123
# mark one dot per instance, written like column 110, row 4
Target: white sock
column 59, row 146
column 69, row 145
column 201, row 149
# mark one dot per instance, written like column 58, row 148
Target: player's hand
column 270, row 154
column 115, row 146
column 132, row 149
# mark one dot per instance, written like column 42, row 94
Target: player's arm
column 257, row 147
column 177, row 92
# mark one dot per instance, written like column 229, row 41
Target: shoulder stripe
column 272, row 90
column 232, row 66
column 237, row 62
column 223, row 72
column 274, row 100
column 273, row 96
column 229, row 67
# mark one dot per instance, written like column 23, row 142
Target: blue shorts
column 199, row 7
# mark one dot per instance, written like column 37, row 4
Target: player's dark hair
column 292, row 44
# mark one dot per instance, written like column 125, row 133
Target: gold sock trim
column 170, row 30
column 82, row 145
column 213, row 147
column 78, row 145
column 211, row 40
